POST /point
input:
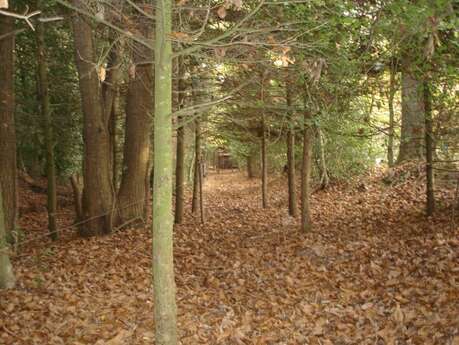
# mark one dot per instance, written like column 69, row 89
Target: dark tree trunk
column 8, row 175
column 306, row 223
column 412, row 131
column 292, row 200
column 197, row 162
column 264, row 155
column 98, row 192
column 430, row 205
column 48, row 127
column 133, row 193
column 180, row 154
column 197, row 148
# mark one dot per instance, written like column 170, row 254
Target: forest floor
column 374, row 270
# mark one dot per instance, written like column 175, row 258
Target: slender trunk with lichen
column 163, row 260
column 47, row 127
column 8, row 178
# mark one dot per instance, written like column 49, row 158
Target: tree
column 134, row 187
column 292, row 207
column 98, row 190
column 47, row 126
column 7, row 279
column 8, row 177
column 163, row 259
column 412, row 130
column 180, row 153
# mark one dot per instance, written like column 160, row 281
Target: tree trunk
column 264, row 156
column 292, row 206
column 197, row 149
column 251, row 161
column 77, row 195
column 324, row 178
column 132, row 195
column 197, row 162
column 98, row 193
column 163, row 264
column 412, row 131
column 180, row 153
column 8, row 176
column 48, row 127
column 113, row 139
column 392, row 90
column 306, row 175
column 430, row 205
column 7, row 279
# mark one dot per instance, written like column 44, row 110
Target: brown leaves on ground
column 374, row 270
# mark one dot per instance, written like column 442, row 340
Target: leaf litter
column 374, row 270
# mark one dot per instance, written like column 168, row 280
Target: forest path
column 372, row 271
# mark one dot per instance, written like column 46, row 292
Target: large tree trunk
column 133, row 192
column 180, row 153
column 163, row 258
column 430, row 204
column 412, row 131
column 8, row 175
column 292, row 207
column 48, row 127
column 98, row 193
column 7, row 279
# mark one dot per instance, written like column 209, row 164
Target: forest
column 228, row 172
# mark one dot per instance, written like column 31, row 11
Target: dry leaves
column 373, row 271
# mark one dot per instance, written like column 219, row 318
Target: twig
column 26, row 17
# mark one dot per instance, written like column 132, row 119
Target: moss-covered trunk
column 163, row 263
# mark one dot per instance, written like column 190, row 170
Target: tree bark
column 180, row 153
column 8, row 164
column 324, row 178
column 264, row 156
column 197, row 149
column 251, row 161
column 163, row 264
column 430, row 204
column 413, row 118
column 48, row 127
column 392, row 90
column 306, row 224
column 98, row 192
column 133, row 192
column 292, row 206
column 7, row 279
